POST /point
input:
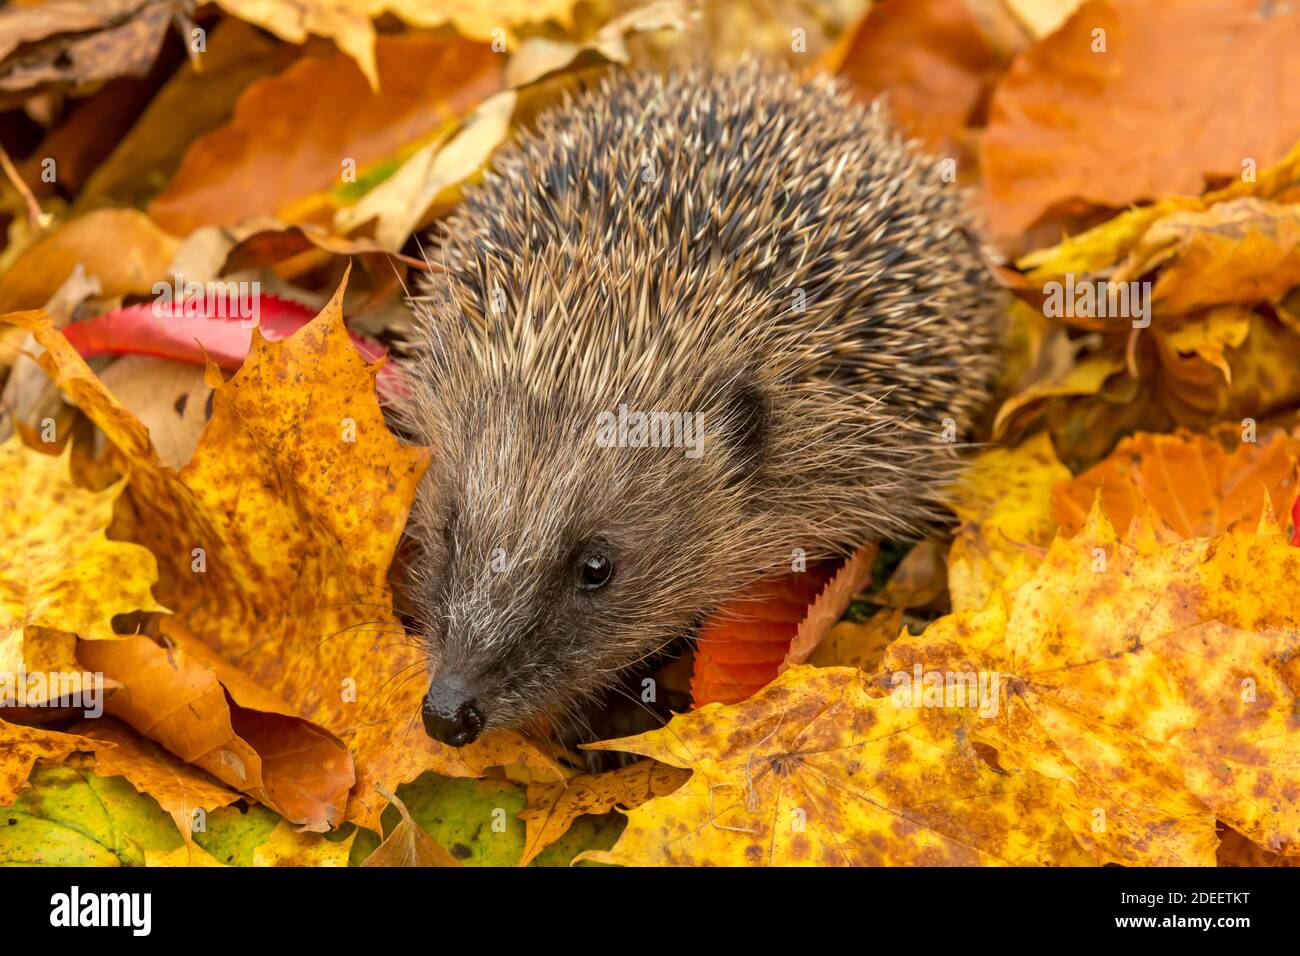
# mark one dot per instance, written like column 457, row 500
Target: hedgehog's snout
column 451, row 712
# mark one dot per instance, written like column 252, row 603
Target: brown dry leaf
column 933, row 60
column 179, row 788
column 1004, row 503
column 289, row 847
column 122, row 248
column 850, row 644
column 831, row 603
column 191, row 103
column 1236, row 850
column 170, row 399
column 1239, row 366
column 814, row 770
column 408, row 844
column 21, row 747
column 208, row 714
column 1208, row 336
column 1198, row 486
column 1097, row 252
column 920, row 579
column 1146, row 676
column 55, row 45
column 1171, row 93
column 310, row 138
column 552, row 807
column 263, row 241
column 275, row 540
column 1085, row 379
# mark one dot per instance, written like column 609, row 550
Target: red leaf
column 194, row 331
column 743, row 643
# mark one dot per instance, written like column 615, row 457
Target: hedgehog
column 689, row 332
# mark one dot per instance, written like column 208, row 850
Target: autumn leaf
column 210, row 715
column 920, row 579
column 289, row 847
column 71, row 816
column 399, row 204
column 1004, row 503
column 743, row 643
column 179, row 788
column 1145, row 675
column 1198, row 486
column 831, row 603
column 72, row 45
column 1160, row 84
column 170, row 399
column 296, row 470
column 197, row 97
column 58, row 569
column 1086, row 378
column 1042, row 17
column 215, row 328
column 348, row 22
column 187, row 854
column 861, row 645
column 1240, row 251
column 51, row 677
column 407, row 844
column 540, row 56
column 552, row 807
column 1236, row 850
column 933, row 60
column 21, row 747
column 122, row 248
column 256, row 165
column 814, row 770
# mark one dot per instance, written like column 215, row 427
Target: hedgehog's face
column 568, row 550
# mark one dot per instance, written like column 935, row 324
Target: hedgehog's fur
column 645, row 245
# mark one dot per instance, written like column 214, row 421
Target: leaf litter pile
column 1098, row 661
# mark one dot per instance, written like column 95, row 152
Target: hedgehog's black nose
column 451, row 714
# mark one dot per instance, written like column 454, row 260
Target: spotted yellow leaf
column 58, row 569
column 814, row 769
column 1147, row 676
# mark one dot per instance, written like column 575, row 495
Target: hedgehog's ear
column 743, row 417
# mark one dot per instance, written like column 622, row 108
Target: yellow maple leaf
column 58, row 569
column 552, row 807
column 1146, row 675
column 1004, row 502
column 289, row 847
column 21, row 747
column 275, row 540
column 815, row 770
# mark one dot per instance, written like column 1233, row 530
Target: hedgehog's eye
column 594, row 571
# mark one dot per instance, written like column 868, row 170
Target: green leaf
column 234, row 832
column 73, row 817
